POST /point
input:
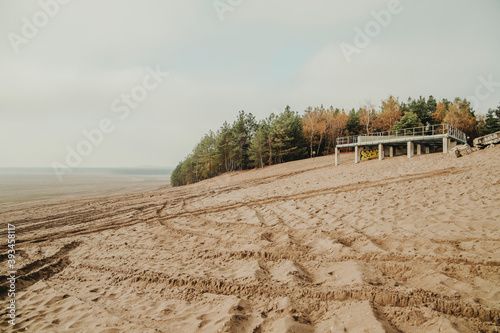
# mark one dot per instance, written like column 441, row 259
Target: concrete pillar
column 453, row 144
column 356, row 154
column 409, row 149
column 445, row 144
column 380, row 152
column 427, row 149
column 391, row 151
column 336, row 156
column 419, row 149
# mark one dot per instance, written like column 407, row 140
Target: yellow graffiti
column 369, row 154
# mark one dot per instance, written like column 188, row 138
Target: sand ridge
column 399, row 245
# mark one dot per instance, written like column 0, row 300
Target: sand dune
column 400, row 245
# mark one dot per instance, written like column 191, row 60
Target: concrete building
column 410, row 141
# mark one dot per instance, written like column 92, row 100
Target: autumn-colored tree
column 314, row 127
column 440, row 113
column 391, row 113
column 459, row 116
column 367, row 117
column 336, row 123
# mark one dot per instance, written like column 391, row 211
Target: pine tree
column 492, row 120
column 353, row 123
column 408, row 120
column 431, row 109
column 258, row 147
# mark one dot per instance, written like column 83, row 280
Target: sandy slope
column 397, row 245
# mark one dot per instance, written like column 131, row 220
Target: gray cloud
column 263, row 56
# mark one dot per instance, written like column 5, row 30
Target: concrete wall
column 362, row 139
column 387, row 150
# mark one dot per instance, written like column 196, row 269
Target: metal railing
column 402, row 134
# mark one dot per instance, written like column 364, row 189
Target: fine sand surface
column 400, row 245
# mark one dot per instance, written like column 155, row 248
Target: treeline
column 288, row 136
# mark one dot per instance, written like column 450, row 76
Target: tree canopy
column 288, row 136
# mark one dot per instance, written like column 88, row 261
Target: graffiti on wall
column 369, row 154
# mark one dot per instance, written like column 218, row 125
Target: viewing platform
column 425, row 139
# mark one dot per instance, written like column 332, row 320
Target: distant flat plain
column 21, row 185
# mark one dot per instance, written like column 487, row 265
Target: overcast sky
column 68, row 74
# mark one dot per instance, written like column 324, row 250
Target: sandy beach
column 399, row 245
